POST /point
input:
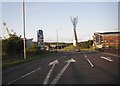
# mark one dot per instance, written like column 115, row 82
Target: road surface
column 85, row 67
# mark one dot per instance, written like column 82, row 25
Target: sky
column 54, row 17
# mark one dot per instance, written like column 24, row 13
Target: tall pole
column 23, row 22
column 57, row 39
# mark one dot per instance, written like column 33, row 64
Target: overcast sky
column 50, row 16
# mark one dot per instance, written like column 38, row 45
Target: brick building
column 106, row 39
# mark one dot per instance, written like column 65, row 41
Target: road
column 85, row 67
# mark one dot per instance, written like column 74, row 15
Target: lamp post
column 23, row 26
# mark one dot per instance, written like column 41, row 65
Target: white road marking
column 50, row 72
column 61, row 72
column 24, row 75
column 85, row 56
column 89, row 61
column 106, row 58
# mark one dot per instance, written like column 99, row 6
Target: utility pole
column 23, row 22
column 74, row 22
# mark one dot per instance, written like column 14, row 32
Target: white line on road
column 85, row 55
column 61, row 72
column 24, row 75
column 89, row 61
column 106, row 58
column 50, row 72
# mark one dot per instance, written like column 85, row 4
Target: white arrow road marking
column 50, row 72
column 89, row 61
column 24, row 75
column 106, row 58
column 61, row 72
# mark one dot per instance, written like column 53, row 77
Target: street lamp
column 23, row 22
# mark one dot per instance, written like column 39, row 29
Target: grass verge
column 16, row 62
column 73, row 48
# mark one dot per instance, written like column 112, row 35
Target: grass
column 19, row 61
column 69, row 48
column 73, row 48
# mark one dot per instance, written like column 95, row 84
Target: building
column 40, row 39
column 106, row 39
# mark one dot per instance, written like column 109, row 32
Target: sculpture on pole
column 74, row 21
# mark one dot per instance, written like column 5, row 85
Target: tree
column 13, row 45
column 86, row 44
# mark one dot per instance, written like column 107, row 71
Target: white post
column 57, row 39
column 23, row 22
column 116, row 44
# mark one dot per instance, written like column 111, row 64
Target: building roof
column 108, row 33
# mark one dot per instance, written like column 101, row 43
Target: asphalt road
column 66, row 68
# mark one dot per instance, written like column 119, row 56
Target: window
column 111, row 40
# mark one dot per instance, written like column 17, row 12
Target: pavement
column 85, row 67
